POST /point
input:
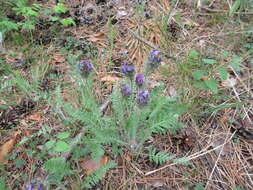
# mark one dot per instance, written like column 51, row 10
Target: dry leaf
column 7, row 148
column 172, row 91
column 2, row 102
column 98, row 38
column 157, row 183
column 57, row 58
column 35, row 117
column 109, row 78
column 121, row 14
column 90, row 165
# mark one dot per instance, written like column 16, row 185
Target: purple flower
column 143, row 97
column 127, row 69
column 84, row 67
column 29, row 187
column 126, row 91
column 40, row 186
column 154, row 53
column 154, row 60
column 139, row 80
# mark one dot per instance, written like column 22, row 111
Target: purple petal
column 143, row 97
column 126, row 91
column 29, row 187
column 139, row 80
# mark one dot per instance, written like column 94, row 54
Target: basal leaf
column 223, row 73
column 212, row 85
column 199, row 186
column 200, row 85
column 209, row 61
column 235, row 63
column 193, row 54
column 235, row 7
column 50, row 144
column 63, row 135
column 61, row 146
column 197, row 75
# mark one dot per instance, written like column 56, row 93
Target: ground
column 207, row 49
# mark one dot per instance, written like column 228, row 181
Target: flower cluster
column 139, row 80
column 127, row 69
column 126, row 91
column 84, row 67
column 33, row 185
column 154, row 59
column 142, row 98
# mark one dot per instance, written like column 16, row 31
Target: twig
column 223, row 11
column 150, row 44
column 142, row 39
column 137, row 169
column 238, row 98
column 104, row 106
column 222, row 34
column 215, row 165
column 190, row 157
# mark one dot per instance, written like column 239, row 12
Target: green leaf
column 50, row 144
column 28, row 25
column 212, row 85
column 225, row 53
column 178, row 17
column 63, row 135
column 2, row 184
column 158, row 157
column 57, row 169
column 61, row 146
column 31, row 12
column 67, row 22
column 223, row 73
column 182, row 161
column 200, row 85
column 235, row 7
column 197, row 75
column 19, row 163
column 193, row 54
column 199, row 186
column 7, row 26
column 235, row 63
column 60, row 8
column 238, row 188
column 54, row 18
column 209, row 61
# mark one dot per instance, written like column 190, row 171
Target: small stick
column 150, row 44
column 222, row 34
column 190, row 157
column 224, row 11
column 215, row 165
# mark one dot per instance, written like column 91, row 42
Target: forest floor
column 207, row 50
